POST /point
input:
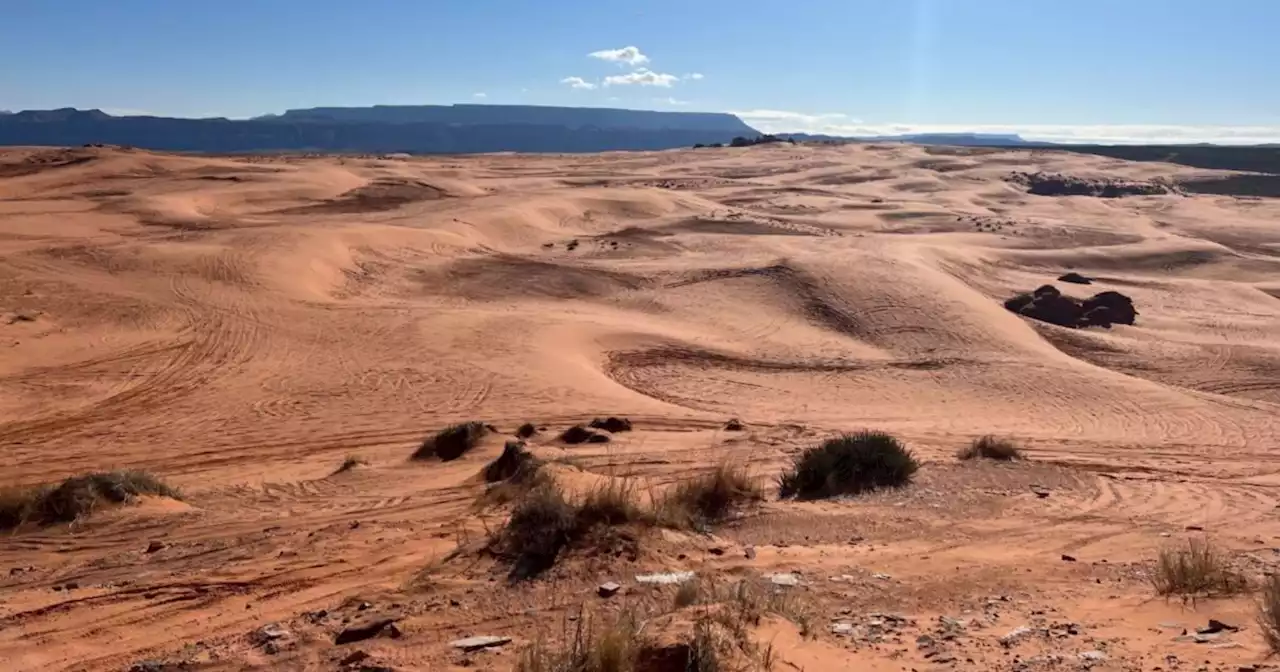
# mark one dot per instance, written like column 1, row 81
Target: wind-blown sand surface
column 239, row 326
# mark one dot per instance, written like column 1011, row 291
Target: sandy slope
column 239, row 326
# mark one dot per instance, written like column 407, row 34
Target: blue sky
column 1114, row 70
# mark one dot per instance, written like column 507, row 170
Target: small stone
column 1194, row 528
column 1068, row 558
column 364, row 630
column 155, row 546
column 716, row 550
column 363, row 606
column 882, row 577
column 842, row 628
column 664, row 578
column 1012, row 637
column 1216, row 626
column 750, row 552
column 608, row 589
column 354, row 658
column 1093, row 656
column 477, row 643
column 787, row 580
column 944, row 658
column 925, row 642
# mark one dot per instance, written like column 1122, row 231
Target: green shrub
column 848, row 465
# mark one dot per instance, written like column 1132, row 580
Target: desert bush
column 451, row 442
column 77, row 497
column 687, row 594
column 351, row 462
column 541, row 525
column 612, row 648
column 1196, row 570
column 579, row 434
column 849, row 464
column 526, row 430
column 611, row 424
column 613, row 502
column 1269, row 612
column 991, row 448
column 710, row 497
column 515, row 463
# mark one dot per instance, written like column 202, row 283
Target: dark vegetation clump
column 452, row 442
column 733, row 425
column 1075, row 278
column 526, row 430
column 578, row 434
column 991, row 448
column 611, row 424
column 848, row 465
column 1056, row 184
column 351, row 462
column 1197, row 570
column 544, row 523
column 77, row 497
column 765, row 139
column 714, row 145
column 1047, row 304
column 709, row 498
column 513, row 462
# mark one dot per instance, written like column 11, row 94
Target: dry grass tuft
column 1195, row 571
column 77, row 497
column 709, row 498
column 613, row 648
column 991, row 448
column 1269, row 613
column 452, row 442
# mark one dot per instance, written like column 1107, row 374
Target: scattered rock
column 1068, row 558
column 611, row 424
column 366, row 630
column 786, row 580
column 608, row 589
column 1075, row 278
column 1194, row 528
column 476, row 643
column 882, row 577
column 842, row 628
column 750, row 552
column 155, row 546
column 734, row 425
column 354, row 658
column 1040, row 491
column 1216, row 626
column 664, row 578
column 269, row 632
column 1014, row 636
column 1093, row 656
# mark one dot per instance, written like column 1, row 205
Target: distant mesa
column 1047, row 304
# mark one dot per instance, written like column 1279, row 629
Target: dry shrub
column 709, row 498
column 612, row 502
column 687, row 594
column 540, row 526
column 612, row 648
column 77, row 497
column 1194, row 571
column 991, row 448
column 848, row 465
column 351, row 462
column 1269, row 613
column 451, row 442
column 515, row 463
column 526, row 430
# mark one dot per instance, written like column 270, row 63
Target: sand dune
column 240, row 325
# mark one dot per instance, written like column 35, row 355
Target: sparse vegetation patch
column 709, row 498
column 991, row 448
column 77, row 497
column 451, row 442
column 848, row 465
column 1196, row 570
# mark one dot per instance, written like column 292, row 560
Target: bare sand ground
column 241, row 325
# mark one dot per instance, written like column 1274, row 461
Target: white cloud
column 695, row 76
column 624, row 56
column 480, row 95
column 643, row 77
column 779, row 121
column 578, row 83
column 671, row 101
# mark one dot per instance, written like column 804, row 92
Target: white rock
column 664, row 578
column 477, row 643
